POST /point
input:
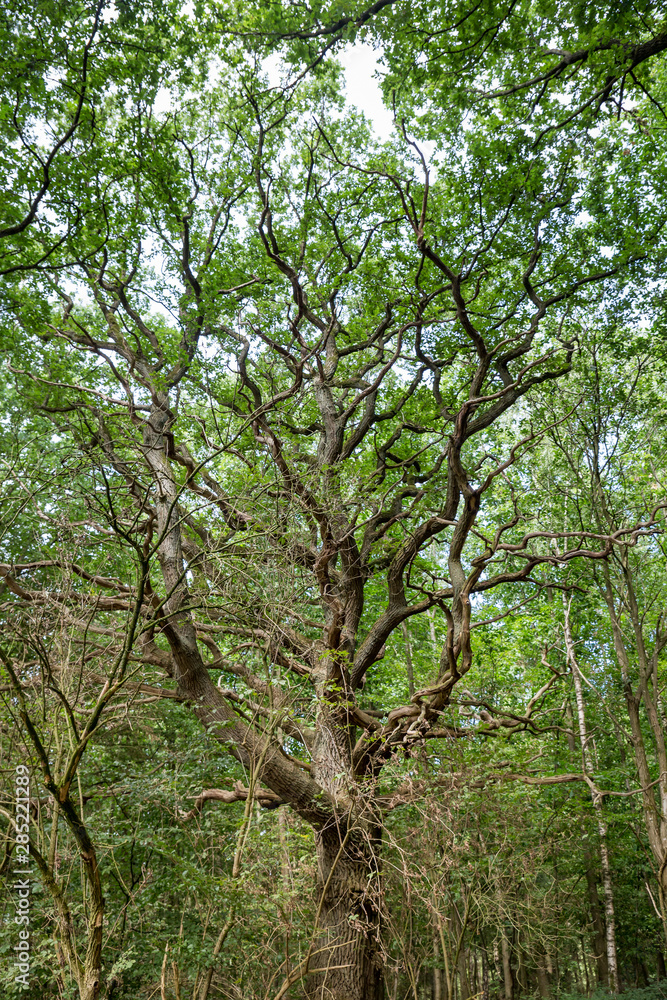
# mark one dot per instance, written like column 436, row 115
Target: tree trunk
column 344, row 965
column 647, row 691
column 522, row 972
column 507, row 968
column 542, row 979
column 610, row 920
column 463, row 975
column 460, row 954
column 437, row 973
column 587, row 978
column 587, row 759
column 485, row 973
column 599, row 940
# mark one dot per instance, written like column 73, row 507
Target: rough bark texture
column 344, row 963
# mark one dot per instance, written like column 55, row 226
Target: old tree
column 274, row 391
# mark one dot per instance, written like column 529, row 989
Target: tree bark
column 485, row 974
column 542, row 979
column 507, row 968
column 654, row 798
column 599, row 940
column 344, row 963
column 437, row 972
column 610, row 921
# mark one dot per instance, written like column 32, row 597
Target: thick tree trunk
column 345, row 962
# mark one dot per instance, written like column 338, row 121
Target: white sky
column 360, row 64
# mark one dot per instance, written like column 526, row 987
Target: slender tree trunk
column 507, row 968
column 446, row 980
column 648, row 691
column 286, row 878
column 485, row 973
column 522, row 972
column 542, row 979
column 463, row 975
column 599, row 937
column 497, row 964
column 587, row 977
column 437, row 973
column 408, row 660
column 394, row 992
column 610, row 921
column 461, row 964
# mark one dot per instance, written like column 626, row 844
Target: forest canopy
column 332, row 507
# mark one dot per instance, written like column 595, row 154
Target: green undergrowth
column 656, row 991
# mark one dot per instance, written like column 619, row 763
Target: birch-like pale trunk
column 610, row 922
